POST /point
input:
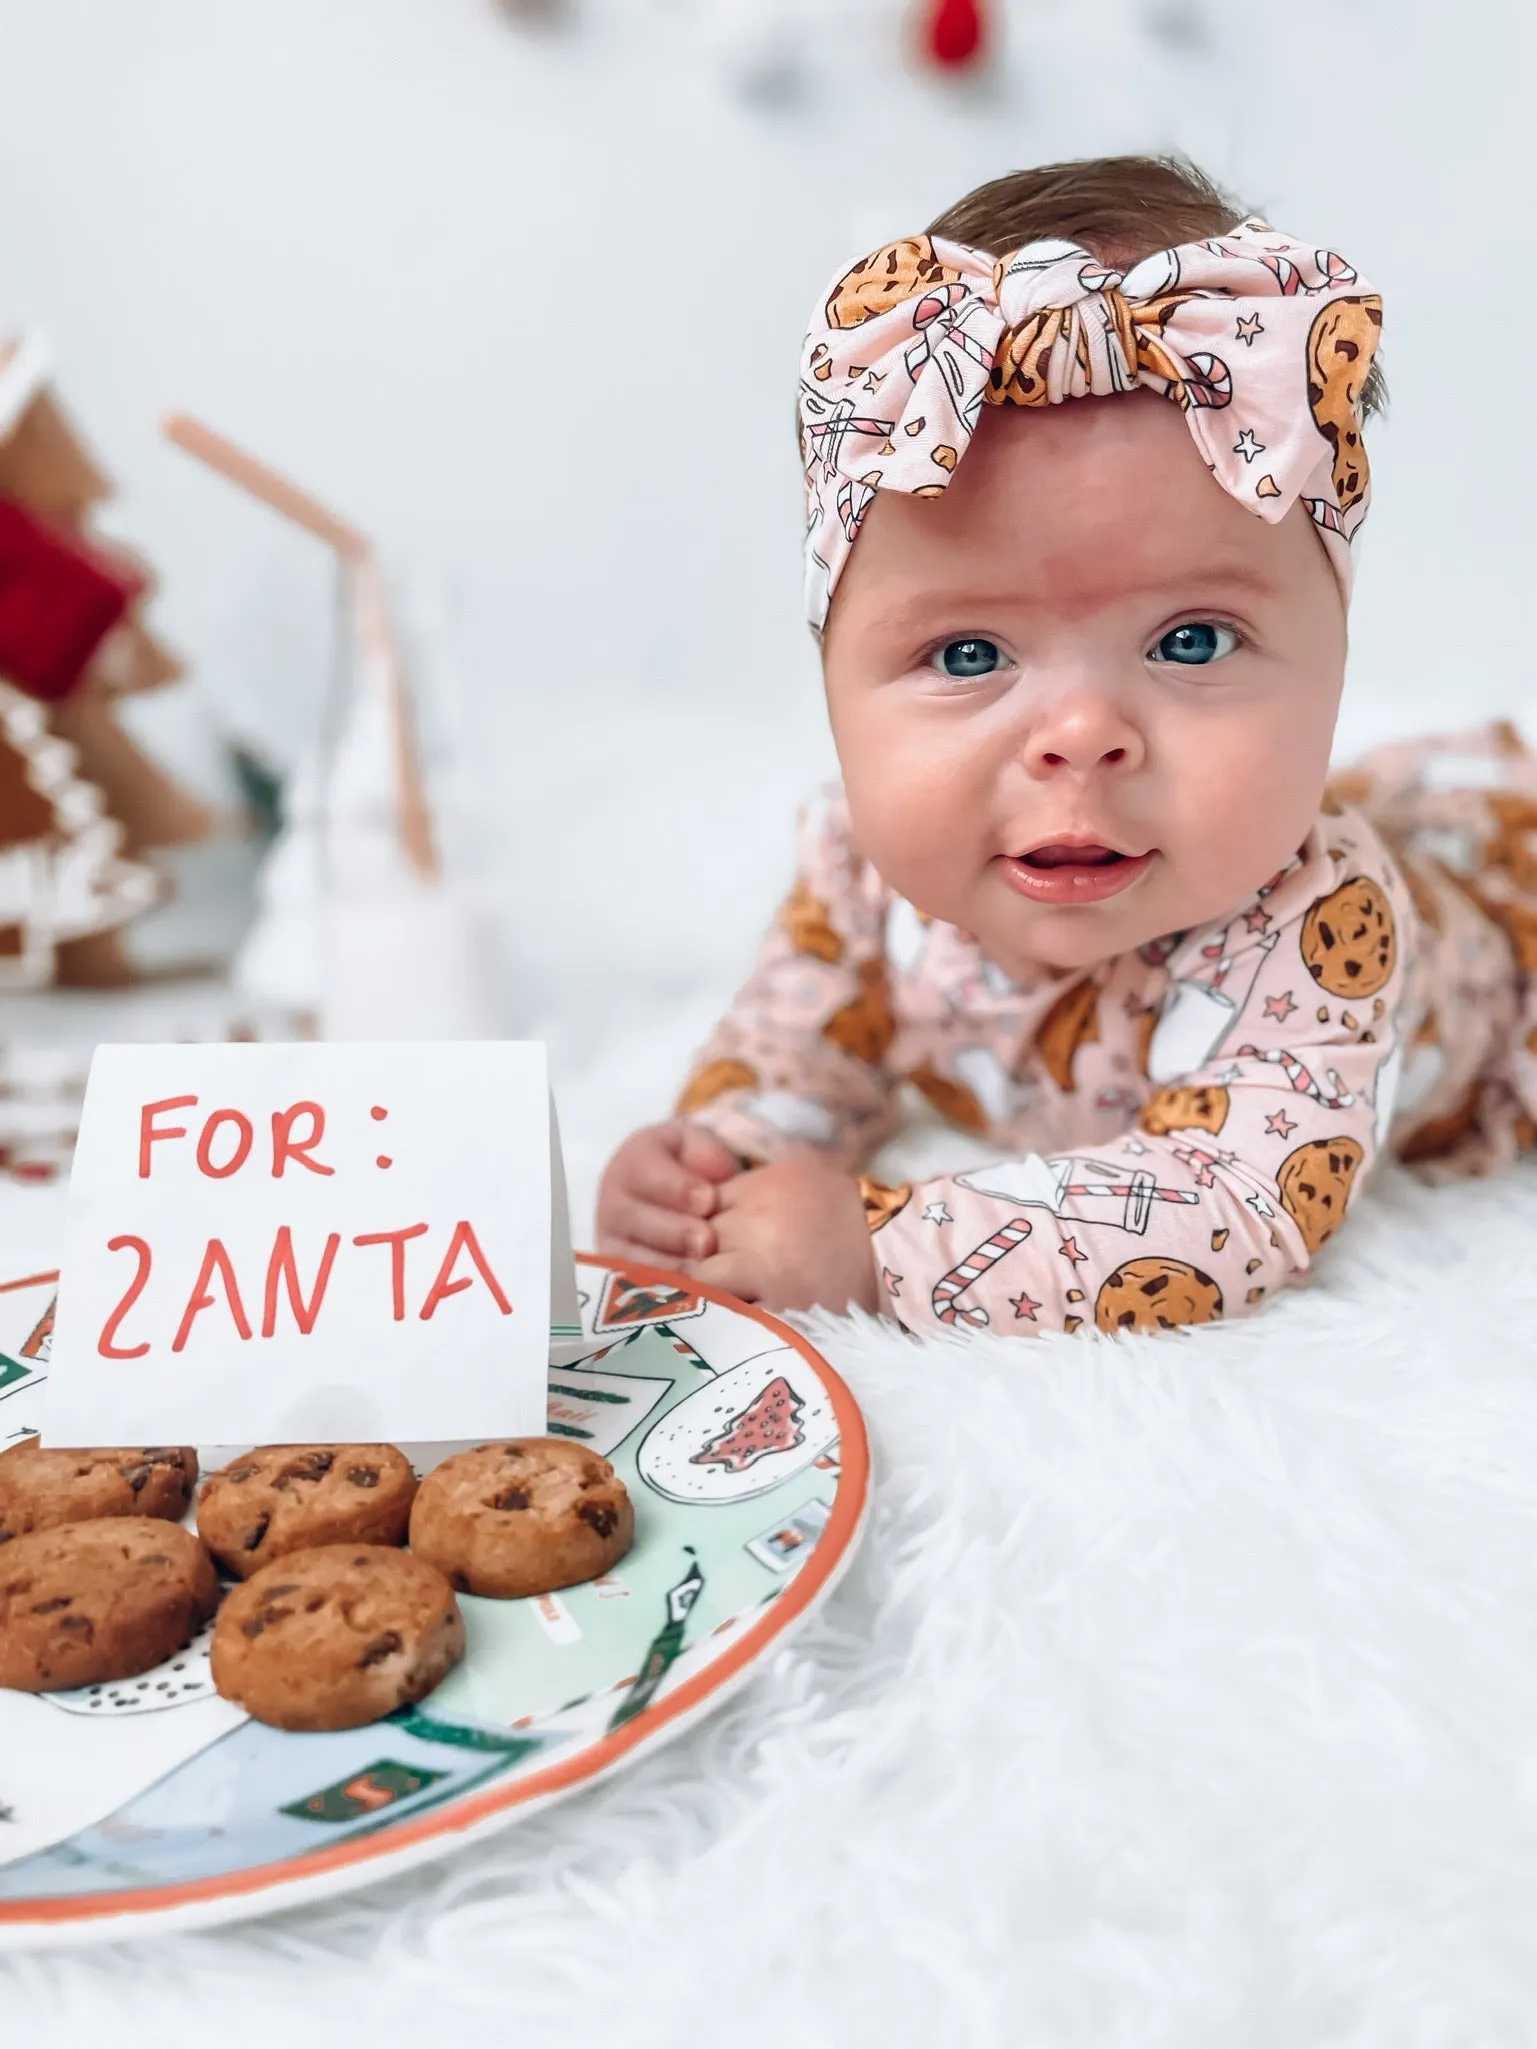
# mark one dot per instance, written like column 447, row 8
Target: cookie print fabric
column 1263, row 341
column 1193, row 1119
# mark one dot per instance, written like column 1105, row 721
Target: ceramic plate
column 153, row 1804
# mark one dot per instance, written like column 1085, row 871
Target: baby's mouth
column 1073, row 871
column 1071, row 854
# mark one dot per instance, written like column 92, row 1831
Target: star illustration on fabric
column 1023, row 1306
column 893, row 1281
column 1204, row 1177
column 1069, row 1250
column 936, row 1213
column 1280, row 1124
column 1257, row 920
column 1258, row 1204
column 1134, row 1147
column 1247, row 446
column 1280, row 1007
column 1248, row 328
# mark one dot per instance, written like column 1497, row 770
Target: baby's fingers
column 728, row 1271
column 655, row 1176
column 663, row 1232
column 641, row 1255
column 703, row 1153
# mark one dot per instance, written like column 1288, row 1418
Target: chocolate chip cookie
column 1315, row 1183
column 333, row 1638
column 41, row 1489
column 1156, row 1294
column 522, row 1517
column 1349, row 939
column 82, row 1604
column 292, row 1497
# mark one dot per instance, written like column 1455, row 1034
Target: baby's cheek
column 916, row 815
column 1245, row 793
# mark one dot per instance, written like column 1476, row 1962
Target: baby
column 1085, row 474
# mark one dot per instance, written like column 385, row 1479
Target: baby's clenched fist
column 659, row 1191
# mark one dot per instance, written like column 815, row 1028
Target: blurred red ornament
column 954, row 33
column 60, row 596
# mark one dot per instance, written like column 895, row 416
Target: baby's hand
column 793, row 1236
column 657, row 1191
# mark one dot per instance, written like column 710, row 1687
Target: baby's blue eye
column 969, row 658
column 1195, row 643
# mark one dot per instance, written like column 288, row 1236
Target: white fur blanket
column 1185, row 1693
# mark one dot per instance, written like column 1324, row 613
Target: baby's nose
column 1080, row 731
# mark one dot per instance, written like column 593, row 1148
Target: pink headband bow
column 1263, row 342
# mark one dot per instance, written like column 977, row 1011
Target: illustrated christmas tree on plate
column 770, row 1422
column 79, row 800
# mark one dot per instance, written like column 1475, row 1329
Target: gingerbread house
column 80, row 801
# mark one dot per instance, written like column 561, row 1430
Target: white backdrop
column 527, row 303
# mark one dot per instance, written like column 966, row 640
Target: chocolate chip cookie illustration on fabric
column 1315, row 1183
column 715, row 1078
column 1185, row 1109
column 1071, row 1022
column 883, row 279
column 1340, row 346
column 1350, row 939
column 882, row 1202
column 1156, row 1294
column 805, row 918
column 951, row 1098
column 865, row 1027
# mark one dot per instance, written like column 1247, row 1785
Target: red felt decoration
column 59, row 599
column 954, row 33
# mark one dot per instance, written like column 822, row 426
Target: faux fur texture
column 1185, row 1693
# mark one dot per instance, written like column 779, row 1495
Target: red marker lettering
column 396, row 1241
column 107, row 1343
column 215, row 1261
column 284, row 1147
column 463, row 1240
column 242, row 1151
column 147, row 1132
column 281, row 1267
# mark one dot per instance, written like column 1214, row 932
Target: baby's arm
column 795, row 1068
column 1234, row 1179
column 797, row 1064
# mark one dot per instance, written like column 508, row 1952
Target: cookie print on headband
column 1262, row 341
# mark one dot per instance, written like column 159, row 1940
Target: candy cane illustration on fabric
column 1300, row 1078
column 976, row 1263
column 827, row 426
column 940, row 318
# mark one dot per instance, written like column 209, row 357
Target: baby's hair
column 1119, row 208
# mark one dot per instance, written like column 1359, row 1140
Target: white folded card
column 288, row 1243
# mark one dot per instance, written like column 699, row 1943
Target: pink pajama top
column 1185, row 1126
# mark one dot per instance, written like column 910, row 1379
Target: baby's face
column 1083, row 698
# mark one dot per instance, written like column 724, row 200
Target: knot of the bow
column 1070, row 331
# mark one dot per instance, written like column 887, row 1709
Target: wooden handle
column 264, row 483
column 371, row 613
column 413, row 816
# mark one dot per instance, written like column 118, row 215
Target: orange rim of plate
column 832, row 1546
